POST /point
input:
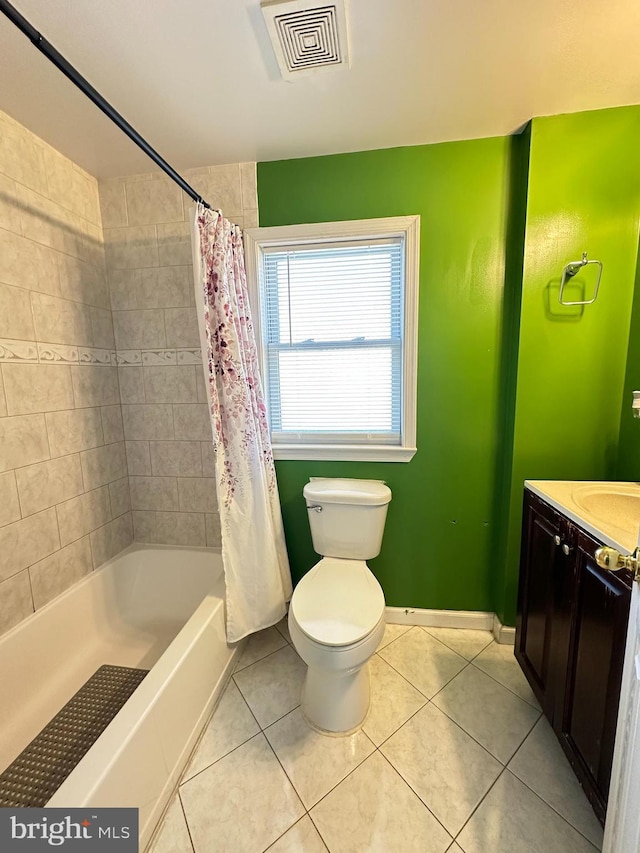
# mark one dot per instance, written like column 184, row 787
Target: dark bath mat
column 40, row 769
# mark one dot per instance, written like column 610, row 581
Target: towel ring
column 573, row 268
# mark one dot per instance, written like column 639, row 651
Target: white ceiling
column 199, row 80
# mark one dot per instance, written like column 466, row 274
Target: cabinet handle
column 557, row 540
column 566, row 549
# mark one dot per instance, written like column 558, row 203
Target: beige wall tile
column 102, row 328
column 109, row 540
column 125, row 286
column 181, row 325
column 9, row 213
column 212, row 530
column 145, row 422
column 16, row 320
column 250, row 219
column 3, row 402
column 27, row 264
column 166, row 287
column 27, row 541
column 139, row 329
column 95, row 386
column 203, row 396
column 48, row 483
column 94, row 245
column 15, row 601
column 208, row 459
column 103, row 465
column 170, row 384
column 249, row 183
column 131, row 248
column 131, row 384
column 221, row 188
column 149, row 202
column 59, row 321
column 56, row 573
column 197, row 494
column 175, row 459
column 81, row 515
column 138, row 458
column 22, row 156
column 37, row 388
column 113, row 206
column 153, row 493
column 69, row 186
column 50, row 224
column 23, row 440
column 180, row 528
column 9, row 504
column 174, row 244
column 120, row 497
column 192, row 421
column 112, row 424
column 82, row 282
column 144, row 526
column 73, row 430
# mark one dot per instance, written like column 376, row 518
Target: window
column 335, row 308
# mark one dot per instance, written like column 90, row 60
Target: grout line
column 186, row 822
column 540, row 797
column 513, row 693
column 401, row 777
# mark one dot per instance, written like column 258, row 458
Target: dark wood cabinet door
column 594, row 671
column 544, row 611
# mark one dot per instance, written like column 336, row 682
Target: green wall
column 438, row 537
column 511, row 386
column 583, row 195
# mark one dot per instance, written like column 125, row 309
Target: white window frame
column 406, row 227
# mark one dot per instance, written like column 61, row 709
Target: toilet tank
column 347, row 516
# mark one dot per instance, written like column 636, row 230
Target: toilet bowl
column 336, row 621
column 336, row 615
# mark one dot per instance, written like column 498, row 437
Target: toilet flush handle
column 315, row 507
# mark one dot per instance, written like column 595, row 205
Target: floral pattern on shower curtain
column 256, row 566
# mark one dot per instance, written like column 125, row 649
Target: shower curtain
column 257, row 576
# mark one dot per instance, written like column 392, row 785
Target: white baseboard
column 503, row 633
column 440, row 618
column 471, row 619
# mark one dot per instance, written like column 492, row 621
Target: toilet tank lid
column 341, row 490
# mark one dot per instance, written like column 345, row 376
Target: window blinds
column 333, row 327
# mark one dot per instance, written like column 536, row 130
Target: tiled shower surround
column 64, row 496
column 166, row 422
column 68, row 478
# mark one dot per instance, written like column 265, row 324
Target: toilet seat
column 338, row 602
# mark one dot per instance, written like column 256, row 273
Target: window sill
column 344, row 452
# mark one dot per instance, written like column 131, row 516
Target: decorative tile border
column 153, row 357
column 91, row 355
column 22, row 351
column 189, row 356
column 32, row 352
column 57, row 354
column 128, row 356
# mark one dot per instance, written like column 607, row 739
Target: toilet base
column 336, row 703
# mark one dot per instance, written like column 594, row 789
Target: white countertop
column 610, row 511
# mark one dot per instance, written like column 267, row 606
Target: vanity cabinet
column 570, row 639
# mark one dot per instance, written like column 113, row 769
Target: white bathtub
column 155, row 607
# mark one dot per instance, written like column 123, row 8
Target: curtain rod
column 69, row 71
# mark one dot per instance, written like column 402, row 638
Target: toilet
column 336, row 616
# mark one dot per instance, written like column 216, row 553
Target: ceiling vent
column 307, row 36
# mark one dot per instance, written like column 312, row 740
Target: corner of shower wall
column 64, row 494
column 167, row 429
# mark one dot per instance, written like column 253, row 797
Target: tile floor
column 454, row 756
